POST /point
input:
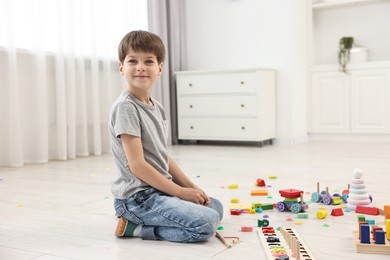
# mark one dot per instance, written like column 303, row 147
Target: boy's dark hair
column 141, row 41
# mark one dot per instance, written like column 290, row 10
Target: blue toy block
column 365, row 234
column 380, row 237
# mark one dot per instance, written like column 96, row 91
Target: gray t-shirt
column 132, row 117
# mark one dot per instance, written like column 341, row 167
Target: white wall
column 367, row 22
column 232, row 34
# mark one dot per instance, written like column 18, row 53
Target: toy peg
column 223, row 240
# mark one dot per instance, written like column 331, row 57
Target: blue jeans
column 169, row 218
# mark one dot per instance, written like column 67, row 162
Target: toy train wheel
column 281, row 206
column 327, row 200
column 315, row 197
column 344, row 197
column 296, row 208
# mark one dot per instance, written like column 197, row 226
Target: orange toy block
column 387, row 211
column 259, row 192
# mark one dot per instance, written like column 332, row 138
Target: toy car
column 291, row 202
column 325, row 198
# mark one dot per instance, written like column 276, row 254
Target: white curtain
column 167, row 19
column 59, row 75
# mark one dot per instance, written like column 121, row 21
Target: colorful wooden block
column 387, row 211
column 367, row 210
column 337, row 212
column 233, row 186
column 235, row 200
column 235, row 212
column 302, row 215
column 259, row 192
column 256, row 205
column 380, row 237
column 246, row 229
column 321, row 214
column 266, row 206
column 246, row 206
column 260, row 182
column 365, row 234
column 374, row 233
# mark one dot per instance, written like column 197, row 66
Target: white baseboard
column 291, row 141
column 366, row 138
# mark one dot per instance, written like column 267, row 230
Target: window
column 81, row 27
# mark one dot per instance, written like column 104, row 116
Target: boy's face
column 141, row 70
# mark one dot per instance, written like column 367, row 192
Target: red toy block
column 290, row 193
column 260, row 182
column 268, row 230
column 337, row 212
column 367, row 210
column 373, row 231
column 235, row 212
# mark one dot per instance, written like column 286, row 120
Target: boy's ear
column 120, row 67
column 160, row 68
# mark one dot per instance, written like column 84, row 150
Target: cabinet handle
column 190, row 106
column 242, row 105
column 242, row 82
column 242, row 127
column 191, row 127
column 190, row 84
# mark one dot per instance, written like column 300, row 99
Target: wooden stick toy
column 223, row 240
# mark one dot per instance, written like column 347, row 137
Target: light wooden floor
column 63, row 210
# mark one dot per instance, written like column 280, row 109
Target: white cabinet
column 236, row 105
column 370, row 101
column 330, row 102
column 356, row 103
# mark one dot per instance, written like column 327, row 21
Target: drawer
column 217, row 106
column 217, row 83
column 234, row 129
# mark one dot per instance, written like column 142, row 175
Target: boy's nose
column 141, row 67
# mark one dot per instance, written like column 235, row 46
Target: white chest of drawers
column 235, row 105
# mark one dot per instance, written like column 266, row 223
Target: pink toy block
column 246, row 229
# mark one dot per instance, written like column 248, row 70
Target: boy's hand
column 194, row 195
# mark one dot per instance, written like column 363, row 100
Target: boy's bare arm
column 182, row 180
column 132, row 146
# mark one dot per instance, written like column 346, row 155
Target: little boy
column 153, row 197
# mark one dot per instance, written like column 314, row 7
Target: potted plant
column 345, row 46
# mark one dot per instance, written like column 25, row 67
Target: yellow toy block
column 322, row 213
column 235, row 200
column 241, row 206
column 233, row 186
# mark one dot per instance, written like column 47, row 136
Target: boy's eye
column 132, row 61
column 149, row 62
